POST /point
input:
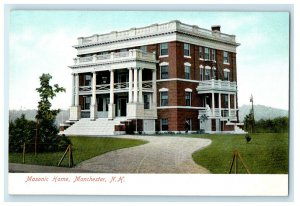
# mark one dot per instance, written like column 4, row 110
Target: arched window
column 207, row 74
column 226, row 75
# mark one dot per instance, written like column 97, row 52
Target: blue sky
column 41, row 42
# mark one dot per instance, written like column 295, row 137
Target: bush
column 24, row 131
column 21, row 131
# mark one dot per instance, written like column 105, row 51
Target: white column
column 141, row 85
column 154, row 98
column 213, row 103
column 76, row 90
column 94, row 89
column 111, row 100
column 111, row 106
column 93, row 108
column 220, row 103
column 130, row 86
column 73, row 89
column 234, row 104
column 135, row 89
column 228, row 104
column 75, row 108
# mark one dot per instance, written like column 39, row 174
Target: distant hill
column 262, row 112
column 30, row 115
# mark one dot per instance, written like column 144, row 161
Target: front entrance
column 121, row 107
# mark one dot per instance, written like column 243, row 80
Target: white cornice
column 169, row 37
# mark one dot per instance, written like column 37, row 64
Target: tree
column 45, row 117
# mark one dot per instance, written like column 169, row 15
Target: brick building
column 163, row 77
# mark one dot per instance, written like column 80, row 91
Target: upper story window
column 226, row 101
column 213, row 54
column 201, row 73
column 188, row 97
column 226, row 57
column 207, row 75
column 143, row 48
column 164, row 98
column 226, row 74
column 187, row 72
column 207, row 53
column 146, row 101
column 87, row 80
column 164, row 49
column 214, row 70
column 164, row 70
column 186, row 49
column 201, row 52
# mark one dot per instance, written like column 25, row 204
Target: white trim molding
column 187, row 64
column 163, row 90
column 188, row 90
column 207, row 67
column 226, row 70
column 164, row 64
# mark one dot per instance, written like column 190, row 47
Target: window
column 188, row 96
column 164, row 72
column 207, row 74
column 164, row 125
column 146, row 101
column 164, row 49
column 226, row 57
column 187, row 72
column 86, row 102
column 226, row 101
column 207, row 54
column 226, row 74
column 143, row 48
column 213, row 54
column 164, row 99
column 201, row 73
column 200, row 52
column 87, row 80
column 214, row 72
column 186, row 49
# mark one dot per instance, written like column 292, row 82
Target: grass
column 83, row 148
column 266, row 153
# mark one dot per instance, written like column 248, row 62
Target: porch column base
column 93, row 110
column 75, row 113
column 111, row 111
column 135, row 110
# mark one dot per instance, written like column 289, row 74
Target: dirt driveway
column 163, row 154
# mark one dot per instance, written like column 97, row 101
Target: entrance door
column 122, row 102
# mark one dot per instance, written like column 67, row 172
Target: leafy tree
column 45, row 117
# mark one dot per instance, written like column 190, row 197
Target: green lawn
column 83, row 148
column 266, row 153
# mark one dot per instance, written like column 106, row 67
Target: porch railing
column 146, row 85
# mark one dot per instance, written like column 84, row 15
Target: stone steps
column 101, row 126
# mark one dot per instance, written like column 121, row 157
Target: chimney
column 216, row 28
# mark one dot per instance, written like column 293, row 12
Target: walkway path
column 162, row 154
